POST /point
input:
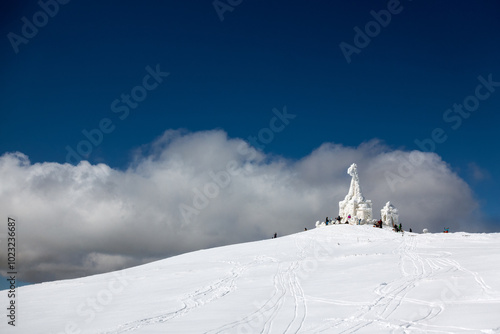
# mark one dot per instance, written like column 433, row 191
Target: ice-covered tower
column 355, row 204
column 389, row 214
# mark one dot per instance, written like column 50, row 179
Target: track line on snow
column 268, row 306
column 287, row 292
column 452, row 263
column 394, row 293
column 194, row 300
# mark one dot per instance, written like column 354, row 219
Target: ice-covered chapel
column 354, row 206
column 356, row 209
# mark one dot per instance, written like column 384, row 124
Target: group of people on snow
column 398, row 228
column 337, row 220
column 379, row 223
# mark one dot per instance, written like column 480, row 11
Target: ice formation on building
column 389, row 214
column 355, row 209
column 354, row 204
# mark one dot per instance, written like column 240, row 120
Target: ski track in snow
column 414, row 268
column 194, row 300
column 287, row 291
column 392, row 307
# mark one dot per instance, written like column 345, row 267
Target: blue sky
column 229, row 74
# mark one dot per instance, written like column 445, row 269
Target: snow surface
column 335, row 279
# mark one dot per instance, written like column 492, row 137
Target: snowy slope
column 335, row 279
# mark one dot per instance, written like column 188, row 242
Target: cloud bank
column 188, row 191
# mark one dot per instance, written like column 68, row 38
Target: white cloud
column 86, row 219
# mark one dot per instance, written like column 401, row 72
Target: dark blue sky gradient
column 231, row 74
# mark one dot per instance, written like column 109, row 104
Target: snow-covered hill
column 336, row 279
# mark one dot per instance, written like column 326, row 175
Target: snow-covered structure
column 355, row 209
column 389, row 214
column 354, row 204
